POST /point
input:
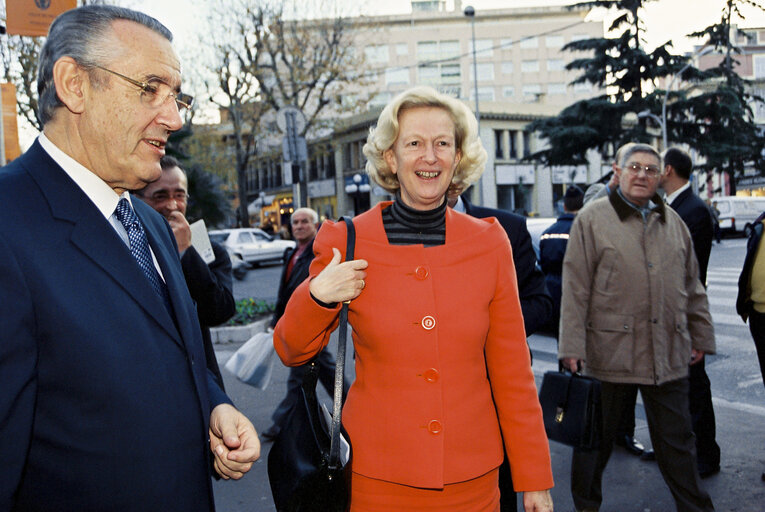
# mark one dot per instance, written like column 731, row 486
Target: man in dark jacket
column 536, row 303
column 210, row 285
column 305, row 223
column 696, row 215
column 552, row 248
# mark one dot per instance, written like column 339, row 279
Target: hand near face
column 181, row 230
column 339, row 281
column 233, row 441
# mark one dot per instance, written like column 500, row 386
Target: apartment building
column 521, row 76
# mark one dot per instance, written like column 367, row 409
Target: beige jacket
column 632, row 305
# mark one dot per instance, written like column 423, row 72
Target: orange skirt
column 477, row 495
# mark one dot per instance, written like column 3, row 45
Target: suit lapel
column 94, row 236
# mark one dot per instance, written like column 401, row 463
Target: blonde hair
column 383, row 136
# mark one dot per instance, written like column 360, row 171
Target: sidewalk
column 629, row 484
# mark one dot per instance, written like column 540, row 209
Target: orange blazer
column 426, row 328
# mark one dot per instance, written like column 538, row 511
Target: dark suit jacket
column 298, row 275
column 105, row 397
column 697, row 217
column 211, row 288
column 536, row 303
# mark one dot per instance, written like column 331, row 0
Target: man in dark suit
column 210, row 285
column 305, row 223
column 696, row 215
column 105, row 401
column 536, row 303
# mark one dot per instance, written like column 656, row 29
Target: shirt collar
column 459, row 206
column 671, row 197
column 102, row 195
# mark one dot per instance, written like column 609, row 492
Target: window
column 555, row 41
column 485, row 72
column 402, row 49
column 508, row 92
column 428, row 75
column 513, row 144
column 450, row 73
column 483, row 47
column 506, row 44
column 507, row 67
column 427, row 50
column 530, row 42
column 759, row 66
column 448, row 49
column 245, row 237
column 530, row 66
column 530, row 89
column 526, row 144
column 556, row 88
column 484, row 94
column 498, row 153
column 396, row 76
column 582, row 87
column 377, row 53
column 556, row 65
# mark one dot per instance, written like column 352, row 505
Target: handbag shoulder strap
column 334, row 447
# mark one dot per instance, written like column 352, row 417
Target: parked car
column 252, row 245
column 536, row 225
column 738, row 213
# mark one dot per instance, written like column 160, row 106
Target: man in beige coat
column 634, row 314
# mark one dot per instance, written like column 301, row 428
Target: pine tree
column 622, row 68
column 719, row 122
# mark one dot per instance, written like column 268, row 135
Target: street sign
column 294, row 149
column 290, row 120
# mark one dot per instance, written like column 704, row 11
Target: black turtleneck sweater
column 406, row 226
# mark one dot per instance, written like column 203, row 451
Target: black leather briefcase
column 571, row 409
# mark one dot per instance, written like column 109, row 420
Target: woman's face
column 424, row 156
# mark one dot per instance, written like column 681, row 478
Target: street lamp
column 355, row 189
column 662, row 122
column 470, row 13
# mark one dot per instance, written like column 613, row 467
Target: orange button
column 435, row 427
column 428, row 322
column 421, row 273
column 431, row 375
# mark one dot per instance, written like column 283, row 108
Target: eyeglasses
column 651, row 171
column 155, row 95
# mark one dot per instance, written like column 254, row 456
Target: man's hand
column 233, row 441
column 181, row 230
column 537, row 501
column 571, row 363
column 696, row 355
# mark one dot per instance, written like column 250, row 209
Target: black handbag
column 571, row 409
column 305, row 470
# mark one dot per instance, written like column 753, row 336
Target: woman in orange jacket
column 443, row 374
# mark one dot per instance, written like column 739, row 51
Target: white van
column 738, row 213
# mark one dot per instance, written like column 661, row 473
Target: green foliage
column 207, row 199
column 621, row 67
column 249, row 310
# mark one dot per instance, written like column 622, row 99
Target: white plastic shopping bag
column 253, row 362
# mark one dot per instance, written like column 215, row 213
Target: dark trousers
column 669, row 422
column 508, row 501
column 295, row 381
column 757, row 328
column 703, row 416
column 627, row 419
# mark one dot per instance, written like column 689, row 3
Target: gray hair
column 80, row 34
column 310, row 211
column 627, row 152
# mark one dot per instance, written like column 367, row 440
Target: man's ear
column 668, row 170
column 70, row 81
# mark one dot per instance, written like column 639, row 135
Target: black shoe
column 269, row 434
column 648, row 454
column 630, row 444
column 707, row 470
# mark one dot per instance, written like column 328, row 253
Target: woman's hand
column 537, row 501
column 339, row 282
